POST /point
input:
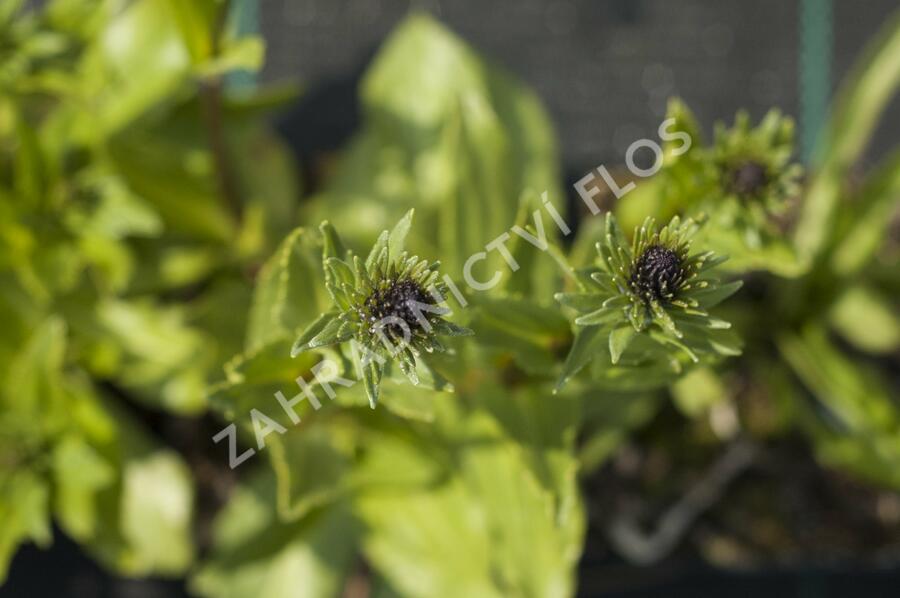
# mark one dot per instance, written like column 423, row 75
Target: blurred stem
column 628, row 538
column 211, row 100
column 211, row 104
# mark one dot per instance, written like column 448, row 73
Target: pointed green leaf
column 600, row 316
column 583, row 349
column 446, row 328
column 329, row 330
column 380, row 246
column 715, row 294
column 372, row 372
column 397, row 238
column 408, row 365
column 332, row 245
column 619, row 339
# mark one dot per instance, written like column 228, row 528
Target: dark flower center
column 748, row 178
column 401, row 299
column 657, row 273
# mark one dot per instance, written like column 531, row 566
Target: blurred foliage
column 151, row 231
column 121, row 263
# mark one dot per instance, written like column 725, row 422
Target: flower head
column 655, row 289
column 753, row 165
column 387, row 307
column 658, row 273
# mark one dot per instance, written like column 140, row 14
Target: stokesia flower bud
column 387, row 304
column 657, row 274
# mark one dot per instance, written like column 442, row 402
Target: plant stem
column 229, row 190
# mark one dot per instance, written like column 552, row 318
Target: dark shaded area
column 604, row 68
column 65, row 571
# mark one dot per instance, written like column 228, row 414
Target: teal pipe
column 816, row 41
column 244, row 21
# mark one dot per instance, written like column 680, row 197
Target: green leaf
column 407, row 363
column 143, row 39
column 461, row 148
column 120, row 212
column 157, row 504
column 532, row 333
column 619, row 339
column 870, row 216
column 255, row 554
column 447, row 328
column 685, row 122
column 697, row 391
column 598, row 317
column 161, row 356
column 608, row 417
column 380, row 247
column 859, row 432
column 715, row 294
column 167, row 165
column 332, row 332
column 861, row 99
column 24, row 510
column 79, row 474
column 581, row 301
column 245, row 54
column 196, row 22
column 8, row 10
column 340, row 271
column 286, row 298
column 291, row 533
column 398, row 235
column 852, row 393
column 866, row 319
column 332, row 245
column 587, row 340
column 310, row 332
column 372, row 372
column 35, row 384
column 487, row 530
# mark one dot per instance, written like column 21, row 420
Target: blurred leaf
column 287, row 297
column 243, row 54
column 119, row 212
column 24, row 511
column 587, row 342
column 534, row 334
column 487, row 531
column 448, row 135
column 697, row 391
column 869, row 216
column 255, row 555
column 197, row 22
column 861, row 99
column 291, row 534
column 619, row 340
column 858, row 430
column 34, row 385
column 79, row 473
column 142, row 39
column 157, row 502
column 161, row 354
column 866, row 319
column 168, row 165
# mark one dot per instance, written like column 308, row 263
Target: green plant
column 388, row 305
column 118, row 270
column 151, row 231
column 650, row 296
